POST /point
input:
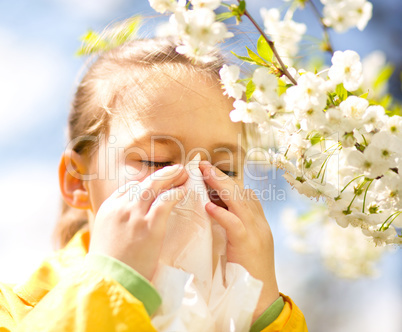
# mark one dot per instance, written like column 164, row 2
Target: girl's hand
column 130, row 224
column 250, row 241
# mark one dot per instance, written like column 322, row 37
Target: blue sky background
column 38, row 72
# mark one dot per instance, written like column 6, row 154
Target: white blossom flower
column 347, row 69
column 285, row 33
column 229, row 77
column 382, row 237
column 282, row 162
column 342, row 15
column 247, row 112
column 389, row 190
column 393, row 124
column 368, row 163
column 388, row 145
column 310, row 94
column 295, row 73
column 265, row 86
column 334, row 116
column 353, row 109
column 165, row 29
column 363, row 11
column 311, row 120
column 303, row 187
column 334, row 123
column 338, row 208
column 374, row 118
column 325, row 188
column 162, row 6
column 347, row 140
column 199, row 32
column 266, row 127
column 362, row 220
column 298, row 145
column 210, row 4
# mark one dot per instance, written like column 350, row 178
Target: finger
column 163, row 179
column 255, row 203
column 227, row 189
column 235, row 229
column 162, row 207
column 258, row 215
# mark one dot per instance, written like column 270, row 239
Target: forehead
column 191, row 108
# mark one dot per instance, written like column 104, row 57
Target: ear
column 72, row 177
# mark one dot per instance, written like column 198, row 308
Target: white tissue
column 200, row 291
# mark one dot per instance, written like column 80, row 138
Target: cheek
column 99, row 190
column 108, row 182
column 127, row 173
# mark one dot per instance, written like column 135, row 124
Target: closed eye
column 150, row 163
column 230, row 173
column 157, row 164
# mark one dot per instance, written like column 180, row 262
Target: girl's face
column 186, row 118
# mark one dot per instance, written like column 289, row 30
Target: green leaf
column 316, row 138
column 341, row 92
column 238, row 10
column 386, row 101
column 114, row 36
column 331, row 100
column 255, row 57
column 243, row 58
column 264, row 50
column 91, row 43
column 364, row 95
column 242, row 6
column 250, row 89
column 129, row 30
column 90, row 36
column 224, row 16
column 384, row 76
column 307, row 163
column 282, row 87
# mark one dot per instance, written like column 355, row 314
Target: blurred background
column 38, row 73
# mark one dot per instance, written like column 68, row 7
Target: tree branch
column 327, row 47
column 272, row 46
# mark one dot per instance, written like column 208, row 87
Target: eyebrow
column 145, row 139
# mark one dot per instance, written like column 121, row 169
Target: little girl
column 140, row 113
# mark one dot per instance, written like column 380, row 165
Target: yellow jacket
column 67, row 294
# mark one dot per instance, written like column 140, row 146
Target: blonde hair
column 104, row 87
